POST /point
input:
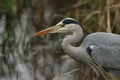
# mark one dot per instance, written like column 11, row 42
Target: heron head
column 66, row 25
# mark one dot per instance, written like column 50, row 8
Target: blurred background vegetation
column 24, row 57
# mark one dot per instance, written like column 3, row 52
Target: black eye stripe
column 69, row 21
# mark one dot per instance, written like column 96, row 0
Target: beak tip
column 36, row 35
column 46, row 31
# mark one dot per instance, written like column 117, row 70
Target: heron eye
column 62, row 25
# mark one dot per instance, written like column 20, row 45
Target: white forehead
column 59, row 23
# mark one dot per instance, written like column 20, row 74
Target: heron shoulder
column 99, row 38
column 103, row 34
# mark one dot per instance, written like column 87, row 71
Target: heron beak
column 53, row 29
column 45, row 31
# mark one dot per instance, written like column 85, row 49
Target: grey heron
column 100, row 50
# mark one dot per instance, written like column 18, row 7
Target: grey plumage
column 106, row 50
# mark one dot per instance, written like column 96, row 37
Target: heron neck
column 68, row 42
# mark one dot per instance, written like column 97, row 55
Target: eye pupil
column 62, row 25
